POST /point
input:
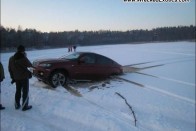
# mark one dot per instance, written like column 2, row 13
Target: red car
column 76, row 66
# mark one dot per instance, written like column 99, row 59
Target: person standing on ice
column 18, row 68
column 74, row 47
column 1, row 79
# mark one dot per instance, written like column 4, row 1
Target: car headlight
column 45, row 65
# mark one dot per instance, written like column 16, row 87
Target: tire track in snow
column 130, row 69
column 161, row 62
column 169, row 79
column 158, row 90
column 170, row 94
column 175, row 53
column 168, row 52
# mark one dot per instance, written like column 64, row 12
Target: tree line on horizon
column 31, row 38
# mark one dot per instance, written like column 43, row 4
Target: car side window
column 104, row 61
column 88, row 59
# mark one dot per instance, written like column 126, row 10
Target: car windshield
column 71, row 56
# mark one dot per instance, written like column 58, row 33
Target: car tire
column 58, row 78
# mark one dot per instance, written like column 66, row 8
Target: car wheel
column 58, row 78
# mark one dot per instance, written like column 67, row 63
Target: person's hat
column 20, row 48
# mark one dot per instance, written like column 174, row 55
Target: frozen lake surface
column 161, row 93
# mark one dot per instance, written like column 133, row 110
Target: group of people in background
column 72, row 48
column 20, row 75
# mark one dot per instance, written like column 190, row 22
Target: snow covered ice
column 161, row 93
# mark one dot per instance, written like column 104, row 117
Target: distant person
column 68, row 48
column 71, row 48
column 74, row 47
column 18, row 68
column 1, row 79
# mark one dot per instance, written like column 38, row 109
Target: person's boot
column 26, row 108
column 1, row 107
column 17, row 106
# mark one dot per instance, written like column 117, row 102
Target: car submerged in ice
column 76, row 66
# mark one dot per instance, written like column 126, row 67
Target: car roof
column 88, row 53
column 93, row 53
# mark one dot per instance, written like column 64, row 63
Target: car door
column 103, row 66
column 85, row 69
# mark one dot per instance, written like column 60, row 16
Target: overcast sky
column 69, row 15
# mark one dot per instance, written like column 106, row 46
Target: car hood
column 50, row 60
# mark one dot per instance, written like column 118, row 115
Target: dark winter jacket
column 2, row 72
column 18, row 66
